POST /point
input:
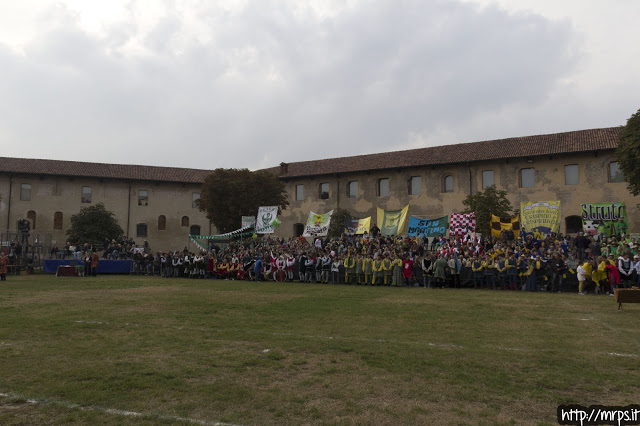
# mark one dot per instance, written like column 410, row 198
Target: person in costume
column 440, row 271
column 290, row 262
column 427, row 270
column 4, row 261
column 407, row 269
column 387, row 269
column 512, row 271
column 367, row 267
column 477, row 266
column 349, row 266
column 377, row 271
column 359, row 269
column 584, row 271
column 530, row 276
column 335, row 270
column 396, row 270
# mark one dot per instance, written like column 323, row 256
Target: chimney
column 284, row 169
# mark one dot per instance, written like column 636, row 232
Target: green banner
column 391, row 222
column 605, row 219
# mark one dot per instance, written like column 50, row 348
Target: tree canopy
column 486, row 202
column 628, row 153
column 93, row 224
column 229, row 194
column 336, row 228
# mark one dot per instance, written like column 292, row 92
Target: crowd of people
column 555, row 263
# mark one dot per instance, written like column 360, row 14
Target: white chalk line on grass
column 401, row 342
column 438, row 345
column 112, row 411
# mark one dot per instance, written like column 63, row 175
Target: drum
column 281, row 275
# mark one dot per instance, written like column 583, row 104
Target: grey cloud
column 271, row 81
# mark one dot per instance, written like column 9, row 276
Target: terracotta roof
column 527, row 146
column 102, row 171
column 521, row 147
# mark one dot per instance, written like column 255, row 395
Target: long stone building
column 158, row 203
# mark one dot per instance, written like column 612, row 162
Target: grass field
column 132, row 350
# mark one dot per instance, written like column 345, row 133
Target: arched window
column 31, row 217
column 141, row 230
column 57, row 220
column 185, row 220
column 447, row 184
column 194, row 230
column 162, row 222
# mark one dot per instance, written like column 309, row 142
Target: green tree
column 92, row 224
column 486, row 202
column 628, row 153
column 336, row 228
column 229, row 194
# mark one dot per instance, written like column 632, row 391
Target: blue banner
column 427, row 227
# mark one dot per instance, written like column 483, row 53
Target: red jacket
column 407, row 266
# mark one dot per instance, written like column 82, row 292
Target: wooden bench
column 627, row 295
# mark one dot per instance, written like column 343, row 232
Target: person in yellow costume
column 349, row 266
column 476, row 267
column 377, row 270
column 386, row 269
column 584, row 271
column 223, row 269
column 530, row 276
column 600, row 275
column 359, row 269
column 367, row 268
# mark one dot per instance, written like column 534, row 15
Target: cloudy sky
column 209, row 84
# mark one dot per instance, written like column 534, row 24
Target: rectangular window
column 352, row 189
column 86, row 194
column 195, row 200
column 143, row 197
column 324, row 191
column 25, row 192
column 571, row 176
column 527, row 178
column 383, row 187
column 487, row 179
column 141, row 230
column 615, row 174
column 415, row 185
column 299, row 192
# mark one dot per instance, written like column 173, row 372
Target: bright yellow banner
column 498, row 225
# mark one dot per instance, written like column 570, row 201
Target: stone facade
column 573, row 167
column 52, row 200
column 553, row 179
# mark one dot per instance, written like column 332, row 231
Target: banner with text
column 265, row 220
column 317, row 224
column 357, row 226
column 427, row 227
column 605, row 218
column 391, row 222
column 540, row 218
